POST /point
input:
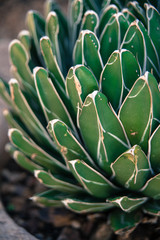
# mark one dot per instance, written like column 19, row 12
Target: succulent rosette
column 85, row 107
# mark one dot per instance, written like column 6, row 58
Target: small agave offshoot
column 85, row 107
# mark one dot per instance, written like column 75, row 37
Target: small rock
column 69, row 234
column 60, row 218
column 103, row 232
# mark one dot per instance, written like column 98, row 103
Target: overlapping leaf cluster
column 85, row 106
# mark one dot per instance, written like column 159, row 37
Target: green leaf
column 48, row 95
column 86, row 205
column 25, row 162
column 154, row 150
column 4, row 92
column 51, row 61
column 107, row 13
column 76, row 11
column 56, row 182
column 25, row 38
column 128, row 204
column 75, row 17
column 128, row 15
column 152, row 208
column 36, row 26
column 68, row 145
column 131, row 169
column 121, row 221
column 152, row 82
column 14, row 122
column 90, row 21
column 92, row 181
column 30, row 149
column 153, row 25
column 85, row 48
column 137, row 11
column 112, row 35
column 52, row 30
column 80, row 82
column 136, row 118
column 102, row 131
column 20, row 59
column 151, row 188
column 139, row 43
column 52, row 6
column 27, row 116
column 49, row 198
column 118, row 77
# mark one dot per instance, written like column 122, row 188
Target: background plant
column 85, row 107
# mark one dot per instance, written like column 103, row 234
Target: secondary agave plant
column 85, row 107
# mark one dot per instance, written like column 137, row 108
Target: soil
column 59, row 223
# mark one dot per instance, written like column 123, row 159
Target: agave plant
column 85, row 107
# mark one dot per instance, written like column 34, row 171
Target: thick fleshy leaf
column 90, row 21
column 68, row 145
column 36, row 26
column 131, row 169
column 52, row 6
column 106, row 3
column 27, row 116
column 137, row 11
column 155, row 99
column 102, row 131
column 20, row 59
column 107, row 13
column 52, row 104
column 112, row 35
column 128, row 15
column 154, row 150
column 128, row 204
column 52, row 30
column 135, row 116
column 50, row 198
column 14, row 122
column 25, row 38
column 54, row 71
column 83, row 205
column 121, row 221
column 25, row 162
column 151, row 188
column 30, row 149
column 152, row 208
column 85, row 48
column 4, row 92
column 75, row 16
column 153, row 25
column 118, row 77
column 76, row 11
column 92, row 181
column 56, row 182
column 139, row 43
column 80, row 82
column 51, row 60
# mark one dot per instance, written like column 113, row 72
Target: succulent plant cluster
column 85, row 106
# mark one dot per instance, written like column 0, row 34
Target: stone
column 69, row 234
column 103, row 232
